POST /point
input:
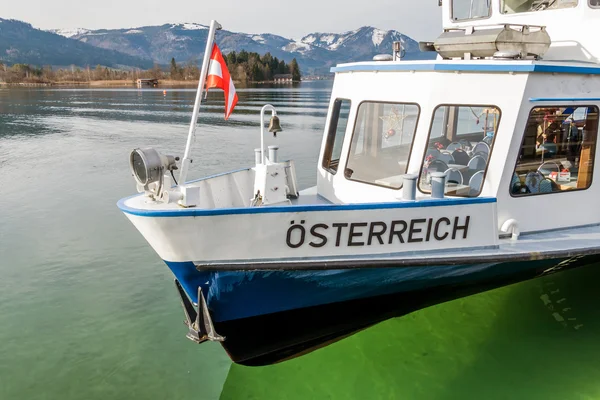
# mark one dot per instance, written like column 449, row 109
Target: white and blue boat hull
column 268, row 316
column 320, row 272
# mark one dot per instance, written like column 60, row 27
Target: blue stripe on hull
column 234, row 295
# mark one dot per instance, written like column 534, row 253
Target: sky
column 419, row 19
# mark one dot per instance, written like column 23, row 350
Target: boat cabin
column 505, row 125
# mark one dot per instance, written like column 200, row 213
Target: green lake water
column 89, row 311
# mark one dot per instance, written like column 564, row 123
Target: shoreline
column 107, row 83
column 129, row 83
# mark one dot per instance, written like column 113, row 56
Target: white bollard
column 257, row 157
column 273, row 154
column 409, row 187
column 438, row 185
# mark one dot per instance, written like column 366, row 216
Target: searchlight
column 149, row 167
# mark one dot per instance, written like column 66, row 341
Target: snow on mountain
column 331, row 45
column 378, row 36
column 70, row 32
column 193, row 27
column 309, row 39
column 297, row 47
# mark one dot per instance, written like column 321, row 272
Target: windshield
column 470, row 9
column 460, row 143
column 381, row 143
column 519, row 6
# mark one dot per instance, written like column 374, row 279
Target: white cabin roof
column 516, row 66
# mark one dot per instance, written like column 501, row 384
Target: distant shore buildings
column 147, row 82
column 283, row 78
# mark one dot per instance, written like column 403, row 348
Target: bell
column 274, row 125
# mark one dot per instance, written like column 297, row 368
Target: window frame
column 514, row 170
column 489, row 156
column 418, row 120
column 469, row 19
column 330, row 141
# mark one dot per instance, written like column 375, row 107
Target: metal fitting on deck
column 409, row 187
column 438, row 185
column 257, row 157
column 511, row 226
column 273, row 150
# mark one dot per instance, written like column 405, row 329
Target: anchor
column 199, row 322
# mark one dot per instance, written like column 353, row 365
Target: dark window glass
column 460, row 144
column 557, row 151
column 335, row 136
column 470, row 9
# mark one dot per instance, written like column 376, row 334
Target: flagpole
column 185, row 163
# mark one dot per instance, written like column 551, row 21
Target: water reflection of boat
column 423, row 194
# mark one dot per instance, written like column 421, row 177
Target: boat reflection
column 534, row 339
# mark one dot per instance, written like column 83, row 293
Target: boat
column 436, row 179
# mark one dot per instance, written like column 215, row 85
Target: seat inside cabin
column 460, row 143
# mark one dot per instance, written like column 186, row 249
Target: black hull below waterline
column 273, row 338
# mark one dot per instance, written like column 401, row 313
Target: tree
column 267, row 73
column 231, row 58
column 295, row 70
column 98, row 73
column 274, row 65
column 48, row 73
column 156, row 72
column 267, row 59
column 175, row 70
column 242, row 57
column 257, row 73
column 191, row 71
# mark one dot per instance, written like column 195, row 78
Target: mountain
column 315, row 52
column 362, row 43
column 21, row 43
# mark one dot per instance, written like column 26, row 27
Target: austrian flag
column 218, row 77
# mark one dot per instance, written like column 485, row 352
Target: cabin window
column 470, row 9
column 335, row 135
column 520, row 6
column 594, row 3
column 557, row 151
column 381, row 143
column 460, row 143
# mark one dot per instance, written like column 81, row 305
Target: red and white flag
column 218, row 77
